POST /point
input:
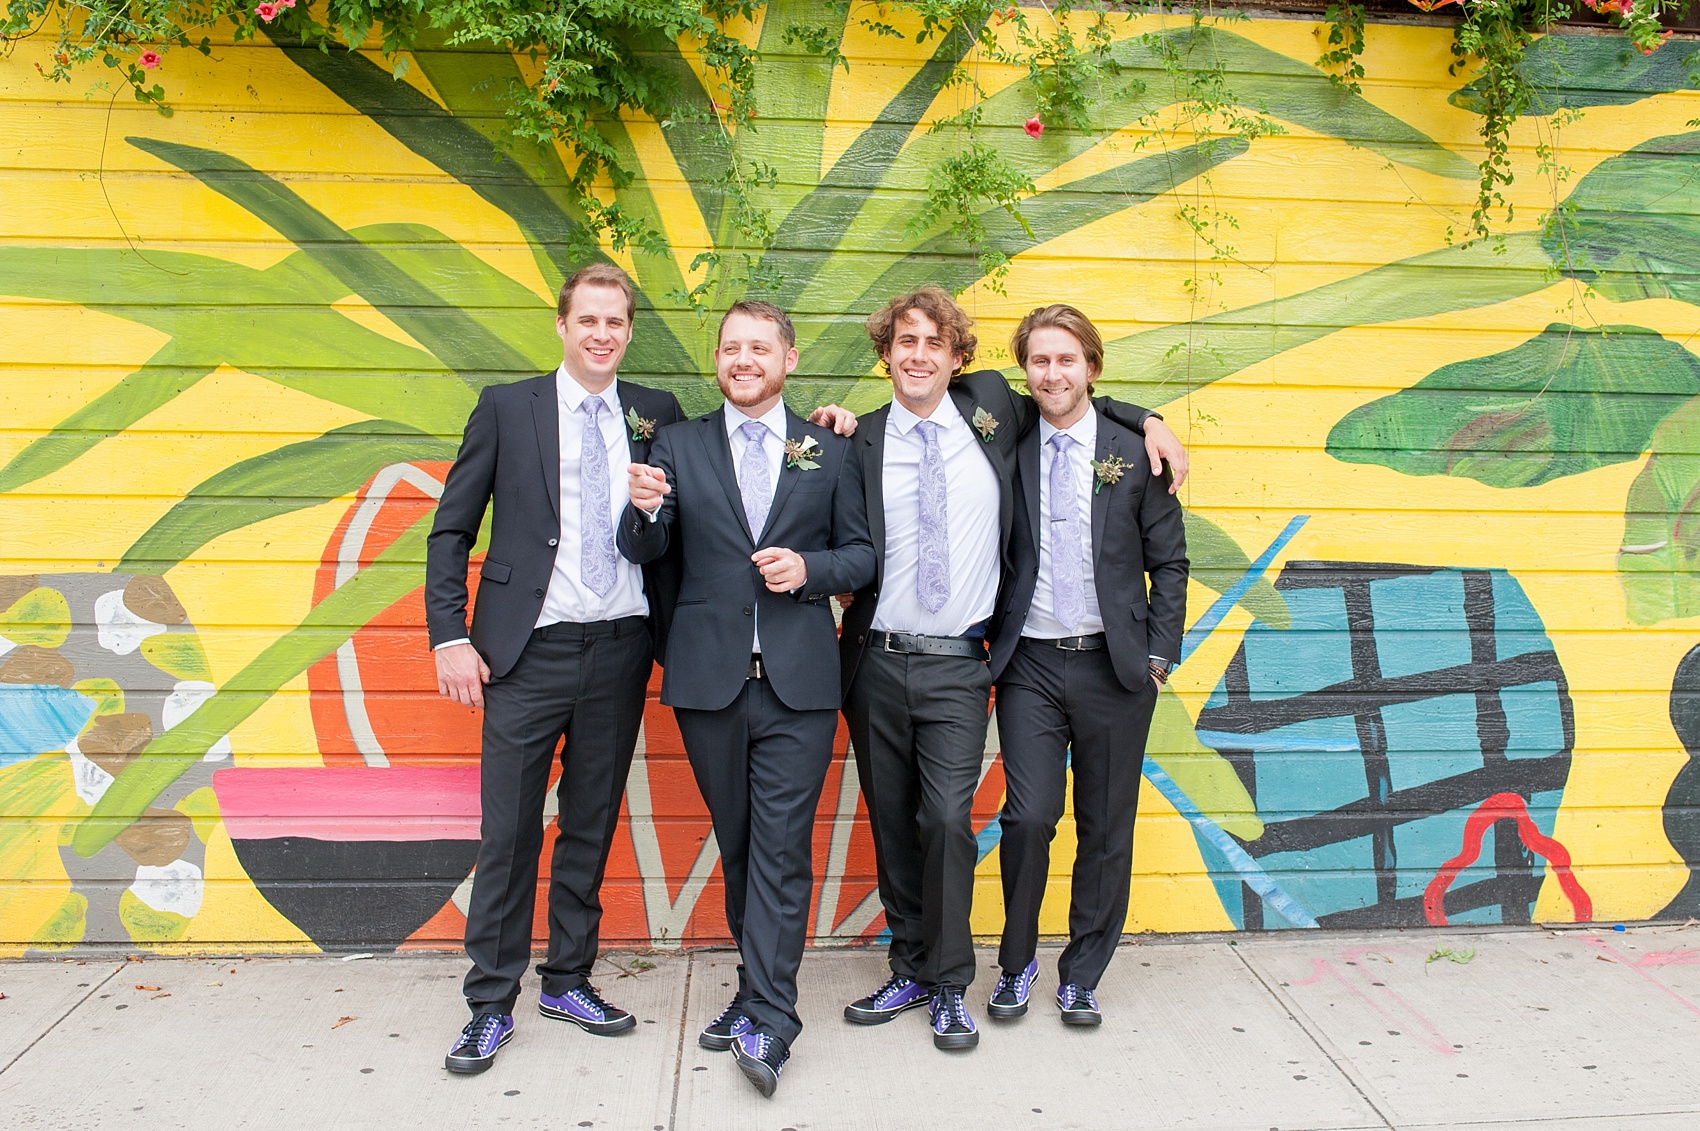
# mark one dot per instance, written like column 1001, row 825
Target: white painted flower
column 89, row 780
column 186, row 695
column 6, row 646
column 175, row 887
column 219, row 751
column 119, row 630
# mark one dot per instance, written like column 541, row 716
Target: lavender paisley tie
column 1068, row 586
column 932, row 574
column 596, row 548
column 755, row 482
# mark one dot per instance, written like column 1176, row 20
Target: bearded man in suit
column 1081, row 647
column 767, row 514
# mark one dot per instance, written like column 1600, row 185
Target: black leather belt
column 1092, row 643
column 914, row 644
column 757, row 669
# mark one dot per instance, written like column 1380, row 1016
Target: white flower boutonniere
column 1107, row 470
column 642, row 429
column 985, row 423
column 800, row 454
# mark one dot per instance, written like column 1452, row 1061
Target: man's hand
column 648, row 485
column 782, row 569
column 1162, row 444
column 840, row 420
column 462, row 674
column 845, row 600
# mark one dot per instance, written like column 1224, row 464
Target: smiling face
column 921, row 361
column 594, row 332
column 751, row 362
column 1058, row 375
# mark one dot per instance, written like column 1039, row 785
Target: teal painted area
column 39, row 718
column 1431, row 739
column 1519, row 630
column 1308, row 655
column 1422, row 604
column 1532, row 713
column 1327, row 880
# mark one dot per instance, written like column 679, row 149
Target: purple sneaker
column 728, row 1027
column 1009, row 998
column 952, row 1027
column 476, row 1049
column 760, row 1057
column 584, row 1007
column 897, row 995
column 1079, row 1007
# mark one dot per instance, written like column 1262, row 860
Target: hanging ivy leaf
column 1566, row 401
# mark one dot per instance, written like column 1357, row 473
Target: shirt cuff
column 450, row 643
column 653, row 515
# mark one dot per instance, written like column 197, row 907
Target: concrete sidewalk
column 1567, row 1029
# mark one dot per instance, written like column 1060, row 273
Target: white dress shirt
column 1042, row 623
column 773, row 447
column 971, row 515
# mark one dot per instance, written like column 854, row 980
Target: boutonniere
column 985, row 423
column 642, row 429
column 1108, row 470
column 800, row 454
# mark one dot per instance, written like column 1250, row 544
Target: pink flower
column 1034, row 126
column 149, row 60
column 286, row 3
column 267, row 12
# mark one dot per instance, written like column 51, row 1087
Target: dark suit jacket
column 1136, row 529
column 819, row 513
column 511, row 453
column 1014, row 413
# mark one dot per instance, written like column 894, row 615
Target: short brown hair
column 756, row 308
column 597, row 275
column 1063, row 317
column 953, row 323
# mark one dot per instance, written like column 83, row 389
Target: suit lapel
column 546, row 414
column 788, row 476
column 632, row 398
column 872, row 452
column 720, row 458
column 999, row 452
column 1028, row 455
column 1107, row 446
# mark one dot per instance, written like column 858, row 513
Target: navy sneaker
column 1009, row 998
column 896, row 996
column 584, row 1007
column 760, row 1056
column 952, row 1027
column 728, row 1027
column 1079, row 1007
column 476, row 1049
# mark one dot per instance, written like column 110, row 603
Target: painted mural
column 1443, row 666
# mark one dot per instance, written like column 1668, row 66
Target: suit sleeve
column 640, row 539
column 1162, row 532
column 848, row 563
column 1127, row 415
column 460, row 513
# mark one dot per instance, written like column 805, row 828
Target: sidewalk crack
column 679, row 1055
column 113, row 973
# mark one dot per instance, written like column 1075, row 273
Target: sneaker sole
column 1006, row 1012
column 758, row 1073
column 1081, row 1017
column 598, row 1028
column 714, row 1043
column 879, row 1016
column 955, row 1042
column 473, row 1065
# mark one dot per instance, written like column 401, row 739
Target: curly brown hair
column 1063, row 317
column 934, row 302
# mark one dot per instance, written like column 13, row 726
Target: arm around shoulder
column 848, row 562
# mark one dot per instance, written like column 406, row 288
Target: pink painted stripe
column 350, row 803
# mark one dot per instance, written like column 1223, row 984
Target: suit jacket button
column 554, row 541
column 746, row 610
column 537, row 592
column 861, row 638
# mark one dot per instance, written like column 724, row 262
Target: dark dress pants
column 918, row 727
column 760, row 766
column 1049, row 699
column 585, row 682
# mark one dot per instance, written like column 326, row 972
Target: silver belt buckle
column 886, row 646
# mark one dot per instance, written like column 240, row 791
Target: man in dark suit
column 938, row 470
column 561, row 644
column 767, row 513
column 1081, row 647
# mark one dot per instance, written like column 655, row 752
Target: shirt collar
column 944, row 414
column 774, row 418
column 571, row 394
column 1084, row 431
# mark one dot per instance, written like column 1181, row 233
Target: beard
column 746, row 394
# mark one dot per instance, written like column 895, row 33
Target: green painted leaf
column 1659, row 561
column 287, row 479
column 178, row 654
column 41, row 617
column 1218, row 562
column 393, row 575
column 1566, row 401
column 1575, row 71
